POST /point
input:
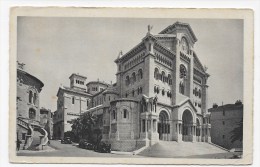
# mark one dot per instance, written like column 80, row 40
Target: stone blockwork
column 223, row 121
column 27, row 101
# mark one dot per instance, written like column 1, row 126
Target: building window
column 133, row 78
column 140, row 90
column 23, row 136
column 30, row 96
column 223, row 122
column 140, row 74
column 224, row 113
column 114, row 114
column 170, row 79
column 125, row 113
column 34, row 98
column 32, row 113
column 126, row 95
column 73, row 100
column 87, row 103
column 163, row 92
column 183, row 71
column 223, row 136
column 133, row 93
column 156, row 73
column 163, row 76
column 127, row 81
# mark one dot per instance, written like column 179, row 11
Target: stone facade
column 46, row 121
column 223, row 120
column 28, row 101
column 160, row 93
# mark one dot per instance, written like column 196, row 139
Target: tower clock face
column 184, row 45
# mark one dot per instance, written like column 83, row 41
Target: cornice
column 138, row 48
column 170, row 54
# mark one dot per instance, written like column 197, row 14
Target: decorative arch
column 164, row 125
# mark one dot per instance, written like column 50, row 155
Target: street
column 69, row 150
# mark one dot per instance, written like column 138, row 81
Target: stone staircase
column 37, row 137
column 173, row 149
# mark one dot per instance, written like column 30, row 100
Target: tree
column 237, row 133
column 82, row 127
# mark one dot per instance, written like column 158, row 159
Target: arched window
column 169, row 79
column 183, row 71
column 114, row 114
column 34, row 98
column 125, row 113
column 199, row 93
column 140, row 74
column 133, row 77
column 156, row 73
column 158, row 91
column 163, row 92
column 30, row 96
column 133, row 93
column 127, row 80
column 163, row 76
column 32, row 113
column 196, row 92
column 155, row 89
column 140, row 90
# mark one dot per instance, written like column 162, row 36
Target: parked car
column 86, row 145
column 103, row 148
column 82, row 143
column 66, row 140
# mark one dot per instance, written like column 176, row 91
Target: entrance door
column 163, row 126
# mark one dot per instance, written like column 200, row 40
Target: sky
column 53, row 48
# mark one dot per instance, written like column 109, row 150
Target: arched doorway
column 163, row 126
column 187, row 127
column 197, row 130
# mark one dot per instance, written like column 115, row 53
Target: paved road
column 69, row 150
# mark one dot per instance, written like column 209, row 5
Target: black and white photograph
column 130, row 87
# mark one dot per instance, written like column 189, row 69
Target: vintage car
column 86, row 145
column 66, row 140
column 103, row 148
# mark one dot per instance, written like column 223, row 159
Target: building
column 223, row 120
column 46, row 121
column 160, row 93
column 72, row 101
column 29, row 129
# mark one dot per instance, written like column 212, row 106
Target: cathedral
column 160, row 94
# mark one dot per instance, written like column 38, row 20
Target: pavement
column 163, row 149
